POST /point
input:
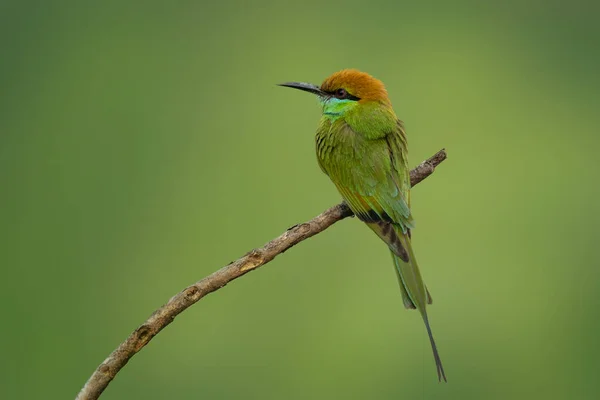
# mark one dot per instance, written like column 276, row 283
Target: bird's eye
column 341, row 94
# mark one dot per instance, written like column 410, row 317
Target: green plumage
column 370, row 170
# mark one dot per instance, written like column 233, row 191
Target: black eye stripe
column 342, row 96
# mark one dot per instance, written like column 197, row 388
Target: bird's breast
column 334, row 145
column 344, row 154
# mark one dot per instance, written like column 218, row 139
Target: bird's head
column 346, row 91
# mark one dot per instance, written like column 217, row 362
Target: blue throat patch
column 335, row 108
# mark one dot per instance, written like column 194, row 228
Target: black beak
column 307, row 87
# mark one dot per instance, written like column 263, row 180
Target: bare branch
column 162, row 317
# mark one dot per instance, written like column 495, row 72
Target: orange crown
column 357, row 83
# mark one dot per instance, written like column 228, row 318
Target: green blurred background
column 144, row 145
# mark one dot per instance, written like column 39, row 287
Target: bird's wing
column 375, row 182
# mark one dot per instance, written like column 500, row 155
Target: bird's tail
column 414, row 292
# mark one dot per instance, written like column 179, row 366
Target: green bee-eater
column 362, row 147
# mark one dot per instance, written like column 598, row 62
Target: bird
column 361, row 146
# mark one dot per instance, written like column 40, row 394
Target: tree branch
column 162, row 317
